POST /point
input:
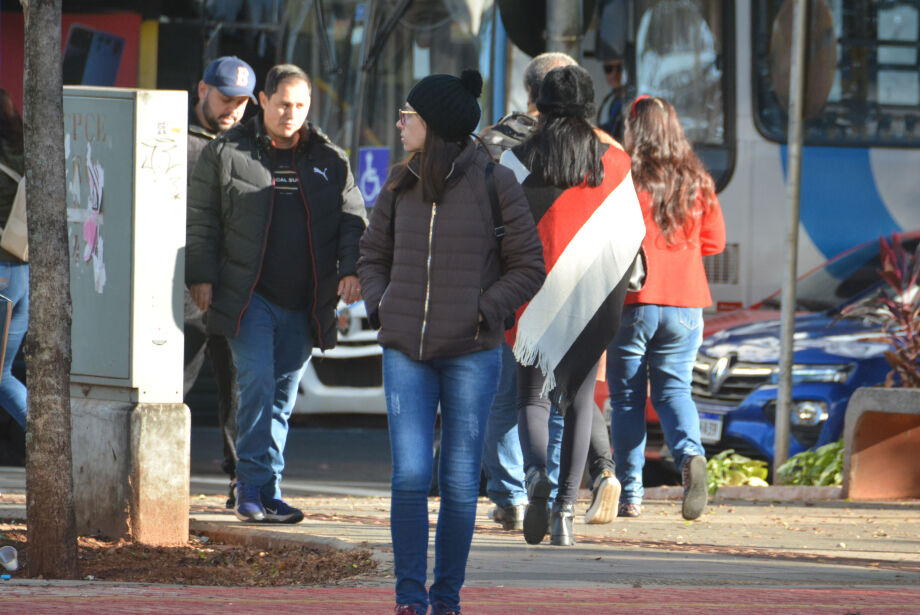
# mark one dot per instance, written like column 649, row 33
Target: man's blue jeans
column 502, row 454
column 654, row 349
column 14, row 285
column 464, row 386
column 270, row 353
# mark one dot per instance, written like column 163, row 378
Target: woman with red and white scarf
column 588, row 217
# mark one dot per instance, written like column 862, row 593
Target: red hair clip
column 636, row 102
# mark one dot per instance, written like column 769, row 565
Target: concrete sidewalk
column 779, row 538
column 735, row 541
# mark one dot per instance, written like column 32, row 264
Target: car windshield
column 839, row 281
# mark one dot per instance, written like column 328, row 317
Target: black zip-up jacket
column 230, row 203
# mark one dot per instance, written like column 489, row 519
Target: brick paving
column 121, row 599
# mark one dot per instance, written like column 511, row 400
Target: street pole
column 796, row 105
column 563, row 27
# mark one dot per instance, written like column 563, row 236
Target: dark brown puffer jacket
column 427, row 288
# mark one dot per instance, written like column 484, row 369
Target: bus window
column 377, row 66
column 680, row 56
column 873, row 84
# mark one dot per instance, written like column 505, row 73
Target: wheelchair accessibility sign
column 373, row 163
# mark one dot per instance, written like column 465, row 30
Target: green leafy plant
column 897, row 306
column 819, row 467
column 730, row 468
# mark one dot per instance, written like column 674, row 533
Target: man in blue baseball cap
column 223, row 92
column 227, row 85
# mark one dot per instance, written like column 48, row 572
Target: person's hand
column 350, row 289
column 201, row 295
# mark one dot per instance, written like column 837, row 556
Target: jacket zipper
column 478, row 324
column 268, row 225
column 303, row 199
column 421, row 341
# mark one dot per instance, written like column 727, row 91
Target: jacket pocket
column 380, row 304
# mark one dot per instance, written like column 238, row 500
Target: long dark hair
column 664, row 165
column 10, row 123
column 434, row 164
column 564, row 151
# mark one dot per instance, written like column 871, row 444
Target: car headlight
column 816, row 373
column 804, row 413
column 808, row 413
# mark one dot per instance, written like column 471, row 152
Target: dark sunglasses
column 609, row 68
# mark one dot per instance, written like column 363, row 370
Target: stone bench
column 881, row 457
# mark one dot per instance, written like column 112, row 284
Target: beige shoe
column 696, row 495
column 511, row 518
column 605, row 499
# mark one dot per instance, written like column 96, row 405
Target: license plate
column 710, row 427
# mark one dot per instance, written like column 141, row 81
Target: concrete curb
column 784, row 493
column 251, row 535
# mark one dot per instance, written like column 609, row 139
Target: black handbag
column 638, row 272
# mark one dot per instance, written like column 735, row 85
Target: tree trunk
column 51, row 520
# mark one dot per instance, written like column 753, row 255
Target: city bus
column 723, row 64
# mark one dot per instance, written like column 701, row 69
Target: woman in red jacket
column 662, row 324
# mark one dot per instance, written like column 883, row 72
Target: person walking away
column 502, row 455
column 274, row 223
column 223, row 92
column 591, row 228
column 14, row 272
column 440, row 286
column 662, row 325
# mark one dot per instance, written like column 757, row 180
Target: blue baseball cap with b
column 231, row 76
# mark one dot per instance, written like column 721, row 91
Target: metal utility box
column 125, row 154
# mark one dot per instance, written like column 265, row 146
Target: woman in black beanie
column 440, row 285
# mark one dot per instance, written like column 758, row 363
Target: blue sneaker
column 248, row 503
column 279, row 511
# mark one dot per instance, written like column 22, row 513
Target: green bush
column 819, row 467
column 730, row 468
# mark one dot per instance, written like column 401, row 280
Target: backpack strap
column 497, row 219
column 13, row 174
column 499, row 224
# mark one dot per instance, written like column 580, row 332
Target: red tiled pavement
column 104, row 599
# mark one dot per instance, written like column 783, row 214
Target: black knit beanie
column 567, row 91
column 448, row 104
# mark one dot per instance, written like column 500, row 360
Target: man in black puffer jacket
column 274, row 220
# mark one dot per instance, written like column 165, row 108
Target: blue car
column 736, row 374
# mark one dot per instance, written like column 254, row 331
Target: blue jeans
column 654, row 350
column 502, row 454
column 270, row 353
column 14, row 285
column 464, row 386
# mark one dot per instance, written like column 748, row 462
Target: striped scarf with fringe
column 590, row 238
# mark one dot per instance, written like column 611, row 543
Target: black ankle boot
column 536, row 515
column 561, row 521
